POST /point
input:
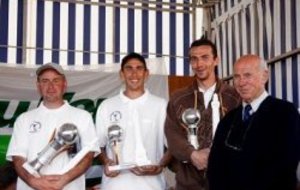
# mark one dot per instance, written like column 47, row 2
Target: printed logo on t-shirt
column 115, row 116
column 35, row 127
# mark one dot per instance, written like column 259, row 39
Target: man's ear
column 216, row 61
column 121, row 75
column 266, row 75
column 38, row 87
column 66, row 85
column 147, row 74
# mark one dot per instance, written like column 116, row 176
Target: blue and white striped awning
column 91, row 32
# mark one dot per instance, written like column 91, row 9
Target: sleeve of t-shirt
column 101, row 125
column 88, row 134
column 18, row 144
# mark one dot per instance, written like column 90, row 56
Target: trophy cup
column 66, row 135
column 191, row 117
column 115, row 137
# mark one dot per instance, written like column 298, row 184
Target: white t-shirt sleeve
column 101, row 128
column 88, row 134
column 18, row 144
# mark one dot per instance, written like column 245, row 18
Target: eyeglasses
column 236, row 136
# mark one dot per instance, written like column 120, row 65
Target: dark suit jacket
column 261, row 156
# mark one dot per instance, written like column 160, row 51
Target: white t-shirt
column 142, row 122
column 34, row 129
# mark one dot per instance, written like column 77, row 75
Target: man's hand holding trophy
column 65, row 136
column 114, row 165
column 191, row 118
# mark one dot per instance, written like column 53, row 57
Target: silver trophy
column 66, row 135
column 114, row 137
column 191, row 117
column 114, row 134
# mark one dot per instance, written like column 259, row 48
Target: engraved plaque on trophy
column 66, row 135
column 191, row 117
column 115, row 137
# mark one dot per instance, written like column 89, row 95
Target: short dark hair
column 133, row 55
column 205, row 42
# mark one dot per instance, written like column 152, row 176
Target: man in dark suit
column 256, row 146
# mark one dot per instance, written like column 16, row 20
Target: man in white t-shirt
column 140, row 117
column 33, row 130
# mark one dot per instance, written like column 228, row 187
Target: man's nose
column 51, row 84
column 242, row 81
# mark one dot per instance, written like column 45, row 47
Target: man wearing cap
column 33, row 130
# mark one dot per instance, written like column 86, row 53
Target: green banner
column 4, row 140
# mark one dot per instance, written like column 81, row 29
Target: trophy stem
column 116, row 152
column 31, row 170
column 36, row 165
column 193, row 139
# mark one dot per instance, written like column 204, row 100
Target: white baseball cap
column 53, row 66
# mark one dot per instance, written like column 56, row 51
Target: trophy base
column 31, row 170
column 121, row 167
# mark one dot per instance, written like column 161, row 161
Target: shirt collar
column 256, row 102
column 62, row 107
column 140, row 99
column 210, row 89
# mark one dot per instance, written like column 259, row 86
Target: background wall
column 269, row 28
column 92, row 32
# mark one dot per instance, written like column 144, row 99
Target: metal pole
column 114, row 34
column 125, row 6
column 194, row 20
column 24, row 37
column 275, row 59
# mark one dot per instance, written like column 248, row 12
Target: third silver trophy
column 191, row 117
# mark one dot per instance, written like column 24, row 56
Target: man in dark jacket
column 256, row 146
